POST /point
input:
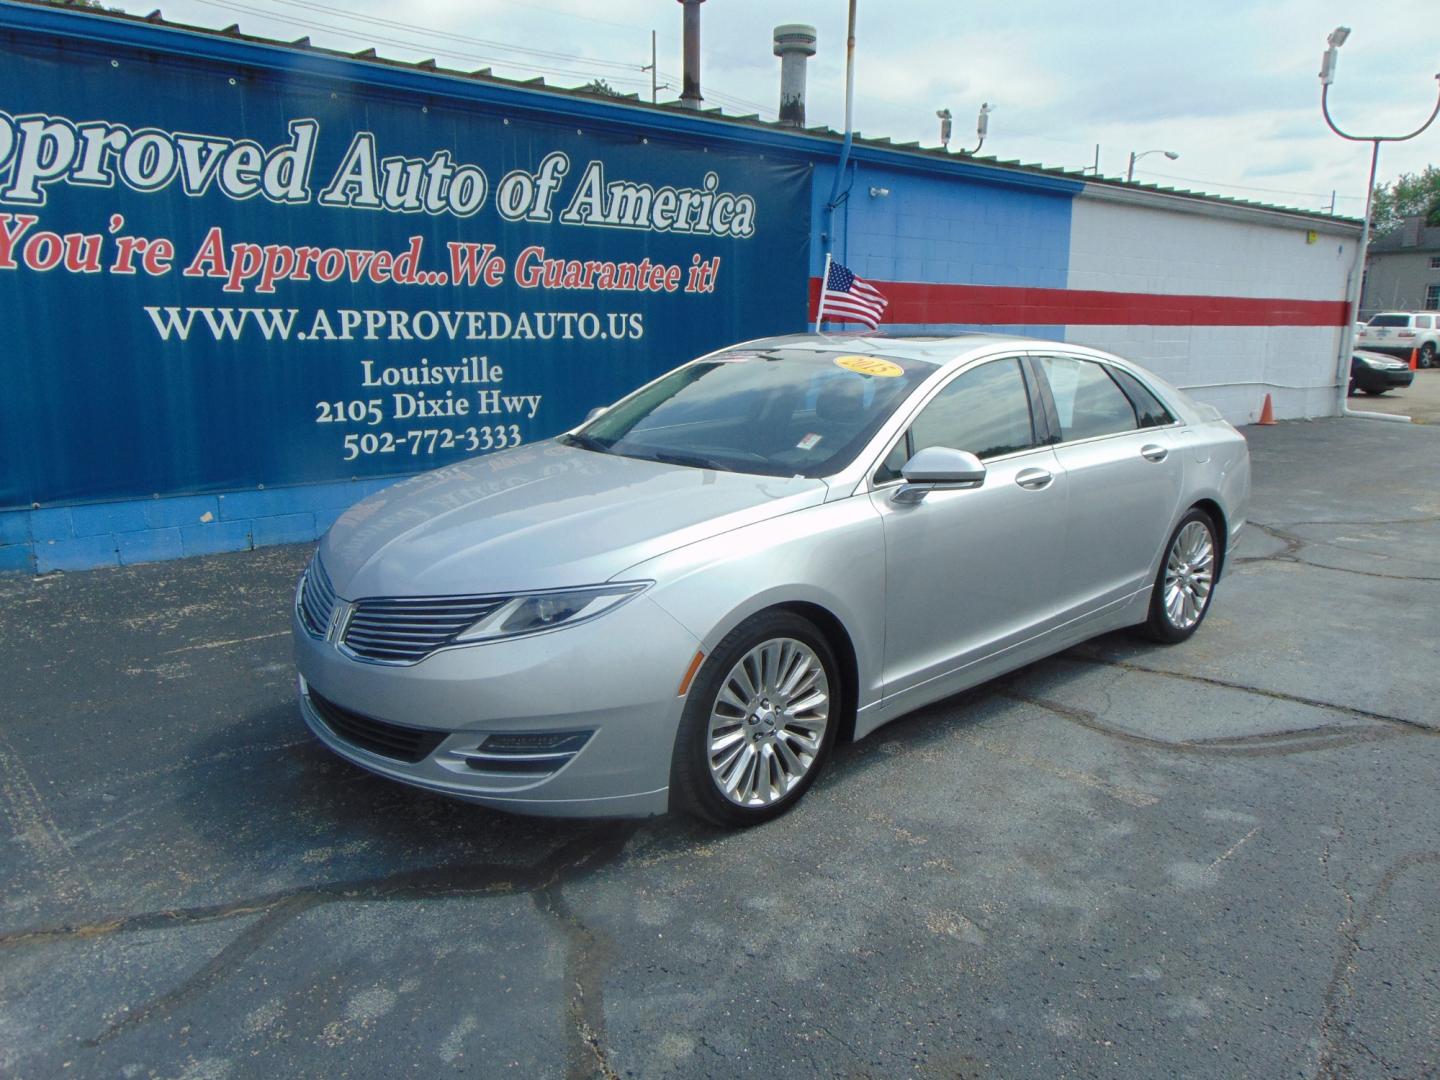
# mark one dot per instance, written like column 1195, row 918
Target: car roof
column 931, row 349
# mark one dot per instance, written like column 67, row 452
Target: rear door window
column 1148, row 408
column 1088, row 401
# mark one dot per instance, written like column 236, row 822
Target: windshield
column 1390, row 320
column 782, row 412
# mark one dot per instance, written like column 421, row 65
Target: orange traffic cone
column 1414, row 359
column 1267, row 412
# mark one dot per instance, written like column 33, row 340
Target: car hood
column 540, row 517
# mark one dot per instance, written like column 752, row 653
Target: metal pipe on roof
column 690, row 89
column 794, row 44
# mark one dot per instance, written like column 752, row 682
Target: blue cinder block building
column 248, row 282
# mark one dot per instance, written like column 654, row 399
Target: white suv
column 1400, row 332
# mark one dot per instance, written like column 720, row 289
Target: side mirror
column 939, row 468
column 599, row 410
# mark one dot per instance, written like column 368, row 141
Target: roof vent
column 794, row 44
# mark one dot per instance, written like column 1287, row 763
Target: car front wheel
column 1186, row 580
column 758, row 722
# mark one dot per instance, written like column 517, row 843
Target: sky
column 1230, row 86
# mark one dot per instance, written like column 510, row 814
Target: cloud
column 1230, row 84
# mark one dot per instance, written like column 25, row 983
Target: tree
column 600, row 86
column 1413, row 193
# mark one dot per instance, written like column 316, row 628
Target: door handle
column 1033, row 479
column 1151, row 452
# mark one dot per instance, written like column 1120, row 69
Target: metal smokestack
column 690, row 91
column 794, row 44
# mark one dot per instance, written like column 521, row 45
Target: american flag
column 847, row 298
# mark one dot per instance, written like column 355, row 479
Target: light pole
column 1357, row 274
column 1134, row 157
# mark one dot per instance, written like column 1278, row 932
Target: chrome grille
column 405, row 630
column 317, row 599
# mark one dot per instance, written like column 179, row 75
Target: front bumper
column 1368, row 378
column 616, row 678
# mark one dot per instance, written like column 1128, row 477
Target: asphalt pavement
column 1218, row 859
column 1420, row 401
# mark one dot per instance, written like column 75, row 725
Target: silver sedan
column 689, row 599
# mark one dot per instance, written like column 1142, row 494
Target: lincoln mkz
column 688, row 600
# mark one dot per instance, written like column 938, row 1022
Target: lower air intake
column 394, row 741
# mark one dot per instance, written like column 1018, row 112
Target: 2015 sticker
column 870, row 365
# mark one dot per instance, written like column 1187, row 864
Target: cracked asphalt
column 1219, row 859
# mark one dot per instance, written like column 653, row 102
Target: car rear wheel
column 1427, row 355
column 758, row 722
column 1185, row 582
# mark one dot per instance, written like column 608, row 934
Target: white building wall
column 1129, row 247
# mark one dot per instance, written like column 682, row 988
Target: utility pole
column 650, row 67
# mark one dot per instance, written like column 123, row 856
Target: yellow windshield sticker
column 870, row 365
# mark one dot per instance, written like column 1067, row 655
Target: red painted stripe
column 999, row 305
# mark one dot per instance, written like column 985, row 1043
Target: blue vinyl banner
column 215, row 279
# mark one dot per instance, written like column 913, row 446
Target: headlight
column 545, row 611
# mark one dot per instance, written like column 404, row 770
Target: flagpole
column 824, row 280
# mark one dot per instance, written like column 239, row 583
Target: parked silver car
column 687, row 600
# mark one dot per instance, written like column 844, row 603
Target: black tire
column 1375, row 391
column 1427, row 355
column 692, row 784
column 1158, row 625
column 1354, row 386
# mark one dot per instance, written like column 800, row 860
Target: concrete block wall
column 152, row 530
column 937, row 229
column 944, row 231
column 1131, row 248
column 1230, row 303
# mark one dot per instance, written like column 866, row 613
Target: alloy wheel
column 1189, row 575
column 767, row 722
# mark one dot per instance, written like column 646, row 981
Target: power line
column 416, row 46
column 451, row 36
column 1243, row 187
column 721, row 96
column 549, row 66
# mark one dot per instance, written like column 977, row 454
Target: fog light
column 538, row 752
column 538, row 743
